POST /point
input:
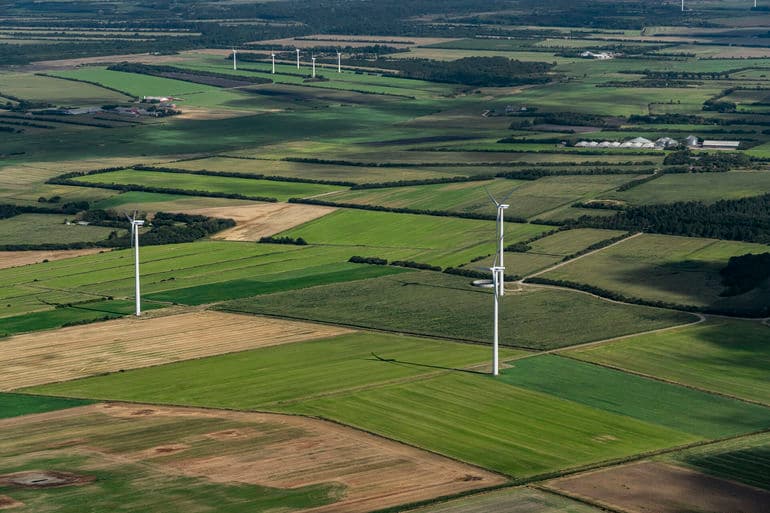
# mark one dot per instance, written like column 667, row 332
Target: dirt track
column 263, row 219
column 17, row 258
column 650, row 487
column 78, row 351
column 280, row 451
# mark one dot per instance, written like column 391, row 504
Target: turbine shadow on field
column 425, row 365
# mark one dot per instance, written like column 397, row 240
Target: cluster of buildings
column 602, row 56
column 664, row 143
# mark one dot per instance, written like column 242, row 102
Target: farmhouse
column 691, row 141
column 603, row 56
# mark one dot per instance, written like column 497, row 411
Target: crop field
column 746, row 460
column 441, row 240
column 49, row 229
column 309, row 171
column 19, row 258
column 77, row 351
column 567, row 242
column 159, row 202
column 663, row 488
column 204, row 183
column 448, row 306
column 726, row 356
column 218, row 461
column 60, row 92
column 705, row 187
column 15, row 405
column 675, row 407
column 518, row 500
column 683, row 270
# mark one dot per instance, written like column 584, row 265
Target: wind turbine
column 235, row 59
column 682, row 5
column 501, row 207
column 273, row 55
column 135, row 224
column 313, row 59
column 498, row 272
column 339, row 55
column 297, row 58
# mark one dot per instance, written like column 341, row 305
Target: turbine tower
column 273, row 55
column 497, row 273
column 682, row 5
column 297, row 58
column 339, row 55
column 135, row 224
column 235, row 59
column 313, row 59
column 499, row 263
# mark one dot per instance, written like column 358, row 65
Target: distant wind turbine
column 501, row 207
column 313, row 59
column 297, row 58
column 339, row 55
column 273, row 55
column 135, row 224
column 235, row 59
column 497, row 282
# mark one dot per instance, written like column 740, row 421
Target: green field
column 526, row 198
column 443, row 241
column 705, row 187
column 567, row 242
column 15, row 405
column 675, row 407
column 727, row 356
column 49, row 229
column 157, row 202
column 681, row 270
column 746, row 460
column 53, row 90
column 205, row 183
column 273, row 377
column 438, row 304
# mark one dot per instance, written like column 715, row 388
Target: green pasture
column 273, row 377
column 746, row 460
column 206, row 183
column 464, row 415
column 15, row 405
column 567, row 242
column 49, row 229
column 158, row 202
column 436, row 304
column 705, row 187
column 681, row 270
column 59, row 92
column 435, row 240
column 726, row 356
column 683, row 409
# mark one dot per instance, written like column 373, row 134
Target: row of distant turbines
column 755, row 4
column 272, row 55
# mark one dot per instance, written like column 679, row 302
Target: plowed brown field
column 17, row 258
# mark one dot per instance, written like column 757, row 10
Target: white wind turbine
column 297, row 58
column 313, row 59
column 497, row 282
column 135, row 225
column 499, row 263
column 339, row 57
column 235, row 59
column 273, row 55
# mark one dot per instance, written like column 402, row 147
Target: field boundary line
column 669, row 381
column 561, row 264
column 578, row 498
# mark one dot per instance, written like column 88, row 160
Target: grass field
column 726, row 356
column 49, row 229
column 218, row 184
column 442, row 305
column 158, row 202
column 443, row 241
column 70, row 94
column 705, row 187
column 675, row 407
column 567, row 242
column 683, row 270
column 526, row 198
column 746, row 460
column 15, row 405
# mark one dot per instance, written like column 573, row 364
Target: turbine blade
column 508, row 195
column 490, row 196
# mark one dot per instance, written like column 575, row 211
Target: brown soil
column 650, row 487
column 9, row 502
column 44, row 479
column 281, row 451
column 78, row 351
column 17, row 258
column 263, row 219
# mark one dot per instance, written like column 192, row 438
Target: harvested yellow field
column 263, row 219
column 129, row 343
column 17, row 258
column 362, row 472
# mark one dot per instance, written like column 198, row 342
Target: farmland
column 15, row 405
column 49, row 229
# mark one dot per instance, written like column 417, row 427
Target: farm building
column 691, row 141
column 720, row 145
column 603, row 56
